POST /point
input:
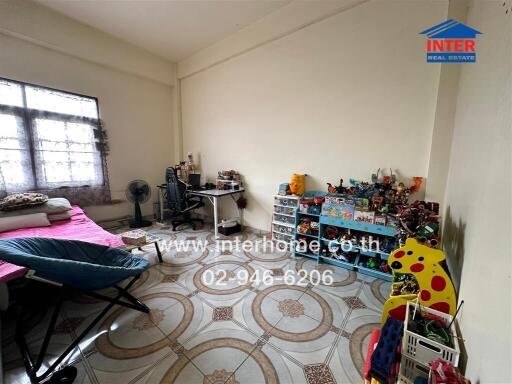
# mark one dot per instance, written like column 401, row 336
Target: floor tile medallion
column 211, row 324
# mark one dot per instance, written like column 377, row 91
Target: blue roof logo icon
column 451, row 29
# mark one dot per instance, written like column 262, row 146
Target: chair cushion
column 78, row 264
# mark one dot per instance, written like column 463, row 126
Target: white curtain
column 51, row 141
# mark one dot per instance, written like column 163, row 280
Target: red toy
column 374, row 340
column 444, row 373
column 318, row 200
column 336, row 189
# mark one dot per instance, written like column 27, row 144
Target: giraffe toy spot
column 438, row 283
column 399, row 254
column 425, row 295
column 398, row 313
column 441, row 307
column 418, row 267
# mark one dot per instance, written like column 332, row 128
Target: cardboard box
column 345, row 212
column 364, row 216
column 135, row 237
column 339, row 199
column 380, row 219
column 362, row 204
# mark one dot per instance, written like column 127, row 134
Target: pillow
column 51, row 207
column 22, row 200
column 24, row 221
column 59, row 216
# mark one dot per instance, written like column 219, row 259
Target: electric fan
column 138, row 192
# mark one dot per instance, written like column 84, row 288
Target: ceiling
column 173, row 29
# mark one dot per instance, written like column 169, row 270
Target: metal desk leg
column 240, row 212
column 215, row 217
column 161, row 205
column 159, row 254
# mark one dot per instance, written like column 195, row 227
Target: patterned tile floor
column 202, row 332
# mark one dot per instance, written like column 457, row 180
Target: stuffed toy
column 297, row 184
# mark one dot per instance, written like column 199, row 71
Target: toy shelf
column 375, row 273
column 358, row 226
column 307, row 235
column 372, row 253
column 338, row 263
column 383, row 255
column 288, row 207
column 307, row 254
column 367, row 228
column 308, row 214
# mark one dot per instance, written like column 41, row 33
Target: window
column 49, row 140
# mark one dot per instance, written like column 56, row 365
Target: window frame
column 28, row 115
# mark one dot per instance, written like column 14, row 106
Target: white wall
column 32, row 22
column 135, row 108
column 297, row 15
column 442, row 133
column 340, row 97
column 478, row 197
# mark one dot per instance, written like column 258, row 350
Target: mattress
column 79, row 227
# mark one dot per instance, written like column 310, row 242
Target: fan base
column 140, row 224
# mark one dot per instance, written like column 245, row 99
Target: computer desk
column 213, row 195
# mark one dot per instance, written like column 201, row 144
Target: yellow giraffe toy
column 436, row 288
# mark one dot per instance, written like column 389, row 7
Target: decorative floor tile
column 170, row 278
column 276, row 272
column 222, row 313
column 374, row 294
column 209, row 324
column 351, row 349
column 354, row 302
column 318, row 374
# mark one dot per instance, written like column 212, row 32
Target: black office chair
column 179, row 202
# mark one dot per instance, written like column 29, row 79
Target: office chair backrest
column 175, row 190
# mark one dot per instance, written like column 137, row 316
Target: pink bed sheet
column 79, row 227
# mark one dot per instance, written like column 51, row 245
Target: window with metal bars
column 51, row 139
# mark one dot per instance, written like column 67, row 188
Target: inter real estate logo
column 451, row 42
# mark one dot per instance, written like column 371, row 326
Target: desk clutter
column 229, row 180
column 186, row 168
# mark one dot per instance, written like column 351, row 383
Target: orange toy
column 297, row 184
column 436, row 288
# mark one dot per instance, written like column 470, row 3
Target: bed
column 79, row 227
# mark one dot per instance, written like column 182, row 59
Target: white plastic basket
column 410, row 370
column 424, row 350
